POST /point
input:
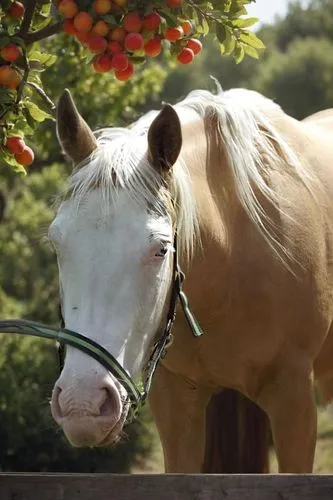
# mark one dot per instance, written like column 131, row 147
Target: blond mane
column 251, row 145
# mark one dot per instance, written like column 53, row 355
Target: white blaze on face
column 113, row 274
column 115, row 266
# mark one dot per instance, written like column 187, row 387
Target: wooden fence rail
column 164, row 487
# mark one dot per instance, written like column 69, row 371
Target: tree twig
column 24, row 78
column 28, row 15
column 36, row 36
column 43, row 95
column 206, row 15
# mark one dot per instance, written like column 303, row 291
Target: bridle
column 137, row 395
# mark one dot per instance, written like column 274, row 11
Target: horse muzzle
column 88, row 417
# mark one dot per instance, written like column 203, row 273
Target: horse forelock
column 121, row 162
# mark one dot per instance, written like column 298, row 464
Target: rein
column 137, row 395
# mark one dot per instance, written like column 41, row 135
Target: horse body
column 234, row 282
column 259, row 279
column 264, row 328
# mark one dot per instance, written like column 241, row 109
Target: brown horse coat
column 267, row 325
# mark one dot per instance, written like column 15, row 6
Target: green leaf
column 251, row 51
column 36, row 113
column 227, row 5
column 229, row 42
column 19, row 169
column 245, row 23
column 7, row 96
column 45, row 60
column 30, row 122
column 4, row 40
column 137, row 59
column 238, row 53
column 175, row 48
column 205, row 27
column 9, row 160
column 251, row 39
column 110, row 19
column 22, row 127
column 18, row 41
column 35, row 78
column 220, row 32
column 171, row 20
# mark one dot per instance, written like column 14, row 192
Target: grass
column 323, row 457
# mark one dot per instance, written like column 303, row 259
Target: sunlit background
column 267, row 10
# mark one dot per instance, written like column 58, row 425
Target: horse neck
column 226, row 229
column 239, row 152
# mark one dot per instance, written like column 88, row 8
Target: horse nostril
column 80, row 402
column 111, row 404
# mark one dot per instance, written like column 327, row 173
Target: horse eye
column 162, row 252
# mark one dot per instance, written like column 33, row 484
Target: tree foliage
column 24, row 103
column 300, row 79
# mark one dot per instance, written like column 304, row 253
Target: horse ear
column 165, row 139
column 75, row 136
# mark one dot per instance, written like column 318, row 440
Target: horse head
column 113, row 235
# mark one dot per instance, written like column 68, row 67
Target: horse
column 244, row 193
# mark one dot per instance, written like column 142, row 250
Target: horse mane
column 251, row 145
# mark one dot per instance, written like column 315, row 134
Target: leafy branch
column 209, row 16
column 20, row 89
column 43, row 95
column 42, row 34
column 182, row 25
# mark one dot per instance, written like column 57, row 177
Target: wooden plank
column 164, row 487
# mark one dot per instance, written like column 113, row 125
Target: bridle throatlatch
column 137, row 394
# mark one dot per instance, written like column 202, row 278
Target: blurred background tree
column 296, row 70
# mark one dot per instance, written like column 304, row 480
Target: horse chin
column 82, row 433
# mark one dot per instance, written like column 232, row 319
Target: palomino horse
column 249, row 191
